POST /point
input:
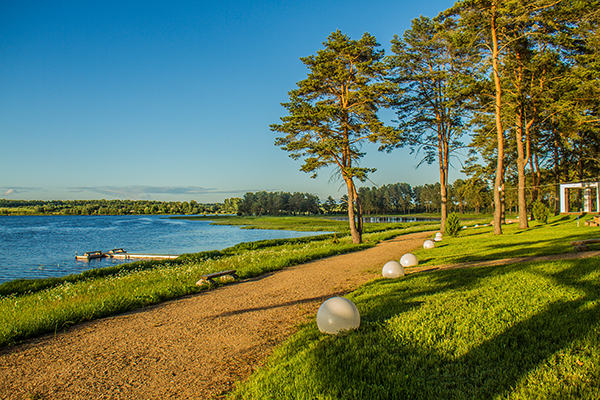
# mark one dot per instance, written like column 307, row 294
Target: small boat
column 90, row 255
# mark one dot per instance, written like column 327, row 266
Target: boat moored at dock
column 90, row 255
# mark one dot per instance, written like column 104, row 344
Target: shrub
column 540, row 212
column 453, row 226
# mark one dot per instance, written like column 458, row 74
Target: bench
column 209, row 278
column 594, row 222
column 582, row 245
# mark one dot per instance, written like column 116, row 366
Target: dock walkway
column 121, row 254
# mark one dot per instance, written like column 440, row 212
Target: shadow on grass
column 471, row 233
column 376, row 365
column 541, row 247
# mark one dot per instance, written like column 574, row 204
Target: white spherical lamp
column 429, row 244
column 337, row 314
column 438, row 237
column 409, row 260
column 392, row 269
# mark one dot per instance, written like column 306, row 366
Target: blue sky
column 172, row 100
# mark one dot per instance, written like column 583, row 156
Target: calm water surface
column 45, row 246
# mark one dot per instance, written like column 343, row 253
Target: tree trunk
column 521, row 161
column 499, row 182
column 444, row 206
column 503, row 204
column 355, row 232
column 443, row 161
column 536, row 177
column 359, row 212
column 557, row 193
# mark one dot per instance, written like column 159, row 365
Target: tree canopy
column 521, row 78
column 432, row 66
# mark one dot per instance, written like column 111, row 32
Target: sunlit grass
column 296, row 223
column 479, row 243
column 334, row 223
column 519, row 331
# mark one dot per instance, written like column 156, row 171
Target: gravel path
column 195, row 347
column 198, row 346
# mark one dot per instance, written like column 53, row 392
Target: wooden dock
column 121, row 254
column 127, row 256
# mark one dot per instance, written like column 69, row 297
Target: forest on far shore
column 399, row 198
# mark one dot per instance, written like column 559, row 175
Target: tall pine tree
column 334, row 110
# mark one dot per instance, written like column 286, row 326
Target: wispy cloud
column 133, row 192
column 10, row 191
column 138, row 191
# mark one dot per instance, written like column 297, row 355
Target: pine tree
column 453, row 226
column 334, row 110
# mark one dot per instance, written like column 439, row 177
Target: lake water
column 45, row 246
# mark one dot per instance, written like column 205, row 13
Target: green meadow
column 517, row 331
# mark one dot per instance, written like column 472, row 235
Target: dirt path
column 195, row 347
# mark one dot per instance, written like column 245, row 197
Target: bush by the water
column 453, row 226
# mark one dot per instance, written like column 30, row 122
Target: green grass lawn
column 479, row 243
column 296, row 223
column 332, row 223
column 519, row 331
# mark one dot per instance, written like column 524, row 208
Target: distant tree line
column 114, row 207
column 279, row 203
column 472, row 195
column 464, row 196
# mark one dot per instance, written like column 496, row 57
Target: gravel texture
column 195, row 347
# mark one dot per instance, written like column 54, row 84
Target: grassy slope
column 296, row 223
column 301, row 223
column 476, row 244
column 30, row 308
column 521, row 331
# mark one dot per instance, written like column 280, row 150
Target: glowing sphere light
column 337, row 314
column 392, row 269
column 429, row 244
column 409, row 260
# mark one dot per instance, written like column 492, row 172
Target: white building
column 588, row 196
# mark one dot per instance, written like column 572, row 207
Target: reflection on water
column 44, row 246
